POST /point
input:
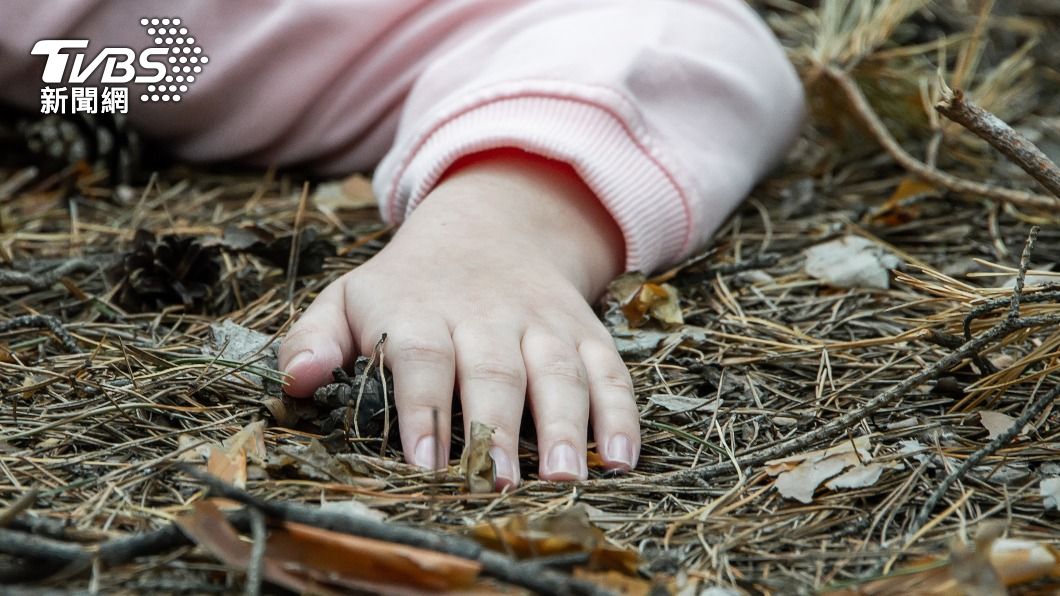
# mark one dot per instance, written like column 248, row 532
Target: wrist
column 528, row 203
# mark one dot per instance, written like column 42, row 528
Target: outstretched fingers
column 558, row 387
column 492, row 382
column 318, row 342
column 613, row 408
column 423, row 361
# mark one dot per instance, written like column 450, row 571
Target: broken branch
column 955, row 106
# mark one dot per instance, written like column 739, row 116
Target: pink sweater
column 670, row 110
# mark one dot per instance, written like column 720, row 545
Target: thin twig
column 995, row 131
column 42, row 322
column 960, row 186
column 296, row 245
column 256, row 565
column 44, row 280
column 1021, row 275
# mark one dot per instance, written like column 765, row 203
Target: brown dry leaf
column 594, row 461
column 251, row 439
column 229, row 461
column 330, row 554
column 193, row 450
column 901, row 206
column 641, row 300
column 228, row 466
column 313, row 461
column 476, row 463
column 208, row 527
column 562, row 532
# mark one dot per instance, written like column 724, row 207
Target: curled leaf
column 476, row 463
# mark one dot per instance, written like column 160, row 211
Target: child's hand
column 486, row 285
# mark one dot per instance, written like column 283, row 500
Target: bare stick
column 43, row 280
column 42, row 322
column 995, row 131
column 1021, row 276
column 920, row 169
column 256, row 566
column 1036, row 407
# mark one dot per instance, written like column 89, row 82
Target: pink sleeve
column 670, row 110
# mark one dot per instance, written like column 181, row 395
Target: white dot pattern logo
column 185, row 57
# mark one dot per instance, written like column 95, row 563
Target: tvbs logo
column 118, row 63
column 167, row 69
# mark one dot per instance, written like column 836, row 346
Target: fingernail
column 300, row 358
column 502, row 465
column 563, row 462
column 427, row 453
column 620, row 451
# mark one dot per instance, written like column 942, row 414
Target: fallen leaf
column 1050, row 491
column 354, row 192
column 231, row 341
column 193, row 449
column 640, row 300
column 228, row 466
column 901, row 206
column 594, row 460
column 776, row 466
column 566, row 531
column 850, row 262
column 683, row 403
column 207, row 526
column 329, row 554
column 251, row 439
column 313, row 461
column 476, row 463
column 799, row 476
column 800, row 482
column 858, row 476
column 996, row 423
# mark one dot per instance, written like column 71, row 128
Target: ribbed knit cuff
column 592, row 129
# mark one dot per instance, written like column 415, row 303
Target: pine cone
column 165, row 271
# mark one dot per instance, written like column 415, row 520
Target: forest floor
column 839, row 395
